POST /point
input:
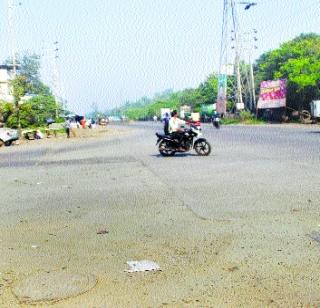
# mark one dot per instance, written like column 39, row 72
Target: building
column 6, row 75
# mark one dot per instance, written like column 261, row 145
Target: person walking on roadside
column 166, row 120
column 67, row 125
column 73, row 127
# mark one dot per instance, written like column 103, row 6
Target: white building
column 6, row 75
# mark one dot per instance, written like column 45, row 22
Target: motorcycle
column 216, row 120
column 168, row 145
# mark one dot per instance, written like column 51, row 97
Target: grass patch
column 228, row 121
column 244, row 117
column 253, row 122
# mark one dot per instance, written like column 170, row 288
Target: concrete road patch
column 52, row 286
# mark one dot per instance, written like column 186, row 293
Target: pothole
column 52, row 286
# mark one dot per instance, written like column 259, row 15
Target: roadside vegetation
column 40, row 104
column 297, row 61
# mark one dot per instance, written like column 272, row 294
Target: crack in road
column 183, row 203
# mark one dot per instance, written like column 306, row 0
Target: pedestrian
column 166, row 120
column 38, row 134
column 73, row 128
column 67, row 125
column 83, row 123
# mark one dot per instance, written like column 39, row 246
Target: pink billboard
column 272, row 94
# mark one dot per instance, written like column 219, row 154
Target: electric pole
column 253, row 91
column 248, row 43
column 229, row 57
column 235, row 27
column 12, row 35
column 56, row 85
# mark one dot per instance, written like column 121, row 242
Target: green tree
column 33, row 112
column 29, row 66
column 20, row 86
column 208, row 89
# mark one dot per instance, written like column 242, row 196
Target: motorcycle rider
column 175, row 127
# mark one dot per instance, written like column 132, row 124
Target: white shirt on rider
column 174, row 124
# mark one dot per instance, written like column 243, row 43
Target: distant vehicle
column 315, row 110
column 103, row 121
column 216, row 120
column 114, row 119
column 7, row 136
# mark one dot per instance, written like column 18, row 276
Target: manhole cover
column 52, row 286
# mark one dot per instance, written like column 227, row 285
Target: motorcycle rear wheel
column 202, row 147
column 165, row 149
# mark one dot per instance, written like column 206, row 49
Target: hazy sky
column 116, row 50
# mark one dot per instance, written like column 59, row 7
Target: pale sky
column 116, row 50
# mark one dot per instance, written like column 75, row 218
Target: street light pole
column 237, row 56
column 11, row 8
column 12, row 35
column 55, row 81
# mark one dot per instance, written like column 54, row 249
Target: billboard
column 272, row 94
column 222, row 94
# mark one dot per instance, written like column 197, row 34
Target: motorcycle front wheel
column 165, row 149
column 202, row 147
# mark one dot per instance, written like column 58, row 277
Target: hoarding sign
column 272, row 94
column 222, row 94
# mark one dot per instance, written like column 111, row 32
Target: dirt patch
column 52, row 286
column 80, row 135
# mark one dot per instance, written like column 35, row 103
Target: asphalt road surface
column 239, row 227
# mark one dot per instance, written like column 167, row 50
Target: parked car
column 7, row 136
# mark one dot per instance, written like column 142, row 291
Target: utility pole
column 52, row 55
column 229, row 55
column 12, row 35
column 56, row 78
column 223, row 62
column 252, row 85
column 11, row 7
column 248, row 44
column 235, row 26
column 252, row 41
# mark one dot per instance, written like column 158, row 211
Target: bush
column 246, row 115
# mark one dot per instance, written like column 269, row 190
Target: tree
column 29, row 66
column 20, row 86
column 208, row 89
column 33, row 112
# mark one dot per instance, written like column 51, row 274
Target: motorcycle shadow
column 177, row 155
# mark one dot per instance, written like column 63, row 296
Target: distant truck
column 315, row 110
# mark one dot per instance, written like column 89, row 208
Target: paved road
column 234, row 228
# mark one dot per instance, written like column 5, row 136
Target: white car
column 7, row 136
